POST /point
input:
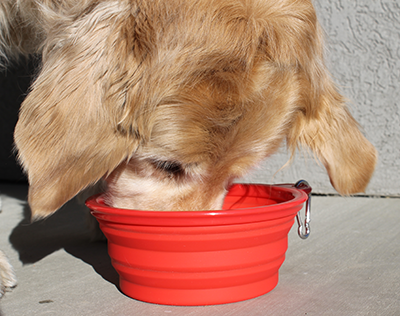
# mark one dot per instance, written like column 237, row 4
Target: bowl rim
column 205, row 217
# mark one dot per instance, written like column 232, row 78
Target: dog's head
column 170, row 101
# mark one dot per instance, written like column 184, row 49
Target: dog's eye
column 172, row 168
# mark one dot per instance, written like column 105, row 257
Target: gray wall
column 363, row 54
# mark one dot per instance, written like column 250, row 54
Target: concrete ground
column 350, row 265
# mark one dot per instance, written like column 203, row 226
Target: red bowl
column 202, row 257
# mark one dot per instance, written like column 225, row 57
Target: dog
column 170, row 101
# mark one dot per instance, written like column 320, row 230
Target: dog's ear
column 325, row 125
column 293, row 40
column 68, row 135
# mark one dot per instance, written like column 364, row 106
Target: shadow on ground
column 66, row 229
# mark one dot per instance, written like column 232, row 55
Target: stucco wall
column 363, row 54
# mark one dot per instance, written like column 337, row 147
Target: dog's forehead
column 196, row 34
column 200, row 84
column 193, row 133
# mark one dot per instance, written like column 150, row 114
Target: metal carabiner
column 304, row 229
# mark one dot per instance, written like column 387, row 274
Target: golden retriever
column 171, row 101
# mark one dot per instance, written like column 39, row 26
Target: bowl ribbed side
column 198, row 265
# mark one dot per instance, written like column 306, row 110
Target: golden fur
column 170, row 101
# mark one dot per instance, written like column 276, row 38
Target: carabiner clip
column 304, row 229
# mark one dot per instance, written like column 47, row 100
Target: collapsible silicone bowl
column 202, row 257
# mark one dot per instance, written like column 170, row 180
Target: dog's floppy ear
column 334, row 136
column 325, row 125
column 293, row 40
column 68, row 133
